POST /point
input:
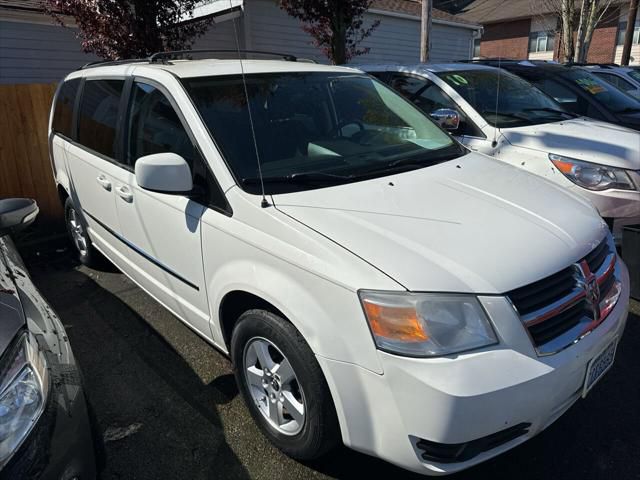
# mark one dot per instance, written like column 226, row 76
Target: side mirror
column 447, row 118
column 17, row 214
column 164, row 173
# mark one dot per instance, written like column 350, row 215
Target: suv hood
column 581, row 139
column 473, row 224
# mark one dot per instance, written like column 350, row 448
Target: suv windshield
column 609, row 96
column 315, row 129
column 520, row 103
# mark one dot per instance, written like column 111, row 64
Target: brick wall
column 511, row 39
column 506, row 40
column 603, row 42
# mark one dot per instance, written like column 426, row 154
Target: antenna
column 495, row 118
column 263, row 203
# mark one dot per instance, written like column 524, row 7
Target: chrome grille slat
column 550, row 329
column 556, row 310
column 541, row 293
column 559, row 305
column 596, row 258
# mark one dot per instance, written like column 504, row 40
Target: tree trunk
column 146, row 18
column 567, row 13
column 339, row 40
column 578, row 49
column 628, row 35
column 591, row 23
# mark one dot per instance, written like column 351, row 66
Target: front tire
column 77, row 229
column 283, row 385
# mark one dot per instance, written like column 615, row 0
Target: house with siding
column 525, row 29
column 35, row 49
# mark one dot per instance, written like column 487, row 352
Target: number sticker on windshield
column 591, row 85
column 458, row 80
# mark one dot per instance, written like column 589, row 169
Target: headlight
column 591, row 175
column 24, row 385
column 426, row 324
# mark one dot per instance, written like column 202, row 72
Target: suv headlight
column 24, row 384
column 426, row 324
column 591, row 175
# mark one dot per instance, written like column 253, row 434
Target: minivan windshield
column 603, row 92
column 315, row 129
column 519, row 103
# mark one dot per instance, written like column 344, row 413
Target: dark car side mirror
column 16, row 214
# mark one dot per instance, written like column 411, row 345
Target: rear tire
column 77, row 229
column 283, row 385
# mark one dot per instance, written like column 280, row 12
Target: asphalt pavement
column 168, row 408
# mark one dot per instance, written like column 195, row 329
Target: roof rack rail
column 593, row 64
column 490, row 60
column 163, row 56
column 103, row 63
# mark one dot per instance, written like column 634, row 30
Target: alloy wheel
column 273, row 386
column 77, row 232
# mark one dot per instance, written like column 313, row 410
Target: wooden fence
column 25, row 169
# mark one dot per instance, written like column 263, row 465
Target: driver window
column 563, row 95
column 428, row 97
column 155, row 126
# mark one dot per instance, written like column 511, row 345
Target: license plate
column 599, row 366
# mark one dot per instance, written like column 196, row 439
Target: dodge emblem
column 589, row 282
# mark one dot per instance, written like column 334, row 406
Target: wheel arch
column 62, row 194
column 234, row 304
column 328, row 316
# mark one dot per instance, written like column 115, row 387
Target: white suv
column 529, row 130
column 391, row 290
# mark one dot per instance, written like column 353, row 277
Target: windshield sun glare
column 315, row 129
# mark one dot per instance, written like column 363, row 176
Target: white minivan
column 373, row 281
column 528, row 129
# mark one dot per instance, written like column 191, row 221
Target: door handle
column 104, row 182
column 124, row 193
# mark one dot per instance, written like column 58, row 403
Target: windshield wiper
column 426, row 159
column 628, row 110
column 300, row 177
column 550, row 110
column 506, row 114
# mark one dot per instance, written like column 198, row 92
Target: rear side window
column 563, row 95
column 98, row 115
column 615, row 80
column 63, row 112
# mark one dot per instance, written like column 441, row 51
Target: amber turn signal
column 399, row 323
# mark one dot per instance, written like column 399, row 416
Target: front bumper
column 466, row 397
column 622, row 206
column 61, row 444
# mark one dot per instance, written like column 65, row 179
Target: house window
column 541, row 42
column 622, row 29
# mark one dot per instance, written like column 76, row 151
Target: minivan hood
column 581, row 139
column 473, row 224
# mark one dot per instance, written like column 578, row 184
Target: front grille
column 557, row 309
